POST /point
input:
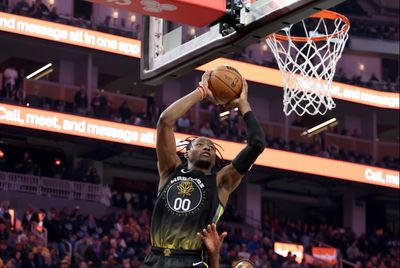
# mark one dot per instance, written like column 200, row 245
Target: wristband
column 202, row 92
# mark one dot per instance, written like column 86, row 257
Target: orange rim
column 324, row 14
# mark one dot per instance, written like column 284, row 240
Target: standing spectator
column 99, row 104
column 93, row 177
column 215, row 120
column 81, row 101
column 151, row 105
column 10, row 76
column 125, row 112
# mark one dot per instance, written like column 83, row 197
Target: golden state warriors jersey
column 184, row 206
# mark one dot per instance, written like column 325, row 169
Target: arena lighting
column 317, row 129
column 49, row 71
column 39, row 70
column 224, row 114
column 1, row 153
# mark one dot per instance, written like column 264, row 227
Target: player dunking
column 192, row 196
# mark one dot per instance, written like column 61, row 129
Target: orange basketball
column 225, row 83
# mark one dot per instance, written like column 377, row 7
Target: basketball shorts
column 171, row 258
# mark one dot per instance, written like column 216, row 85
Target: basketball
column 225, row 83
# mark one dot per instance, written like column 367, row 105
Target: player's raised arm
column 230, row 176
column 168, row 160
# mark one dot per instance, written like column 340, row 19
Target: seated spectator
column 81, row 101
column 125, row 112
column 53, row 16
column 21, row 8
column 373, row 78
column 183, row 124
column 27, row 166
column 39, row 10
column 206, row 130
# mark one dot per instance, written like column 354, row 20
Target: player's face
column 202, row 153
column 244, row 264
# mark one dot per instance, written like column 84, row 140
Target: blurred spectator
column 38, row 10
column 151, row 105
column 53, row 16
column 99, row 104
column 107, row 21
column 81, row 101
column 93, row 177
column 215, row 123
column 27, row 166
column 183, row 124
column 353, row 252
column 373, row 78
column 10, row 77
column 233, row 124
column 125, row 112
column 3, row 5
column 206, row 130
column 21, row 8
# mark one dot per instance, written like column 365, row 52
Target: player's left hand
column 242, row 98
column 211, row 239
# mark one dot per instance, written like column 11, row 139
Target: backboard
column 168, row 50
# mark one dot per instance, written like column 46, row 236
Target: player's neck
column 194, row 167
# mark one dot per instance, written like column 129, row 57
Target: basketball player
column 191, row 195
column 213, row 242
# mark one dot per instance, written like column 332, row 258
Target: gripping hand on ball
column 204, row 84
column 241, row 102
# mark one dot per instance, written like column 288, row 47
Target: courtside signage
column 69, row 35
column 146, row 137
column 328, row 255
column 131, row 47
column 283, row 249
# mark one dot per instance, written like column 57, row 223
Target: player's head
column 245, row 264
column 201, row 152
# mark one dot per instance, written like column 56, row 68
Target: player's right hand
column 211, row 239
column 204, row 84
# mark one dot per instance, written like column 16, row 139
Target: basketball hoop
column 307, row 53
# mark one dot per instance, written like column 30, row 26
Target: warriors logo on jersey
column 184, row 194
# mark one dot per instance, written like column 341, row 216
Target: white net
column 308, row 63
